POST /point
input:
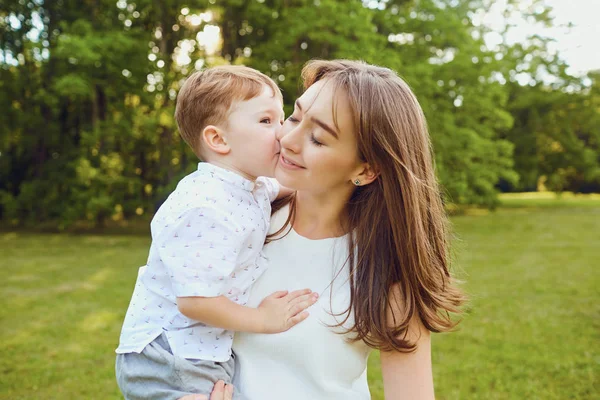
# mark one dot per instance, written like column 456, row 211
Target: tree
column 557, row 137
column 88, row 88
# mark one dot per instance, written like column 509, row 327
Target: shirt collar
column 226, row 176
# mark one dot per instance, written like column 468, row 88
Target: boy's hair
column 206, row 98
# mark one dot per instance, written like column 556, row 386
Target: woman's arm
column 408, row 375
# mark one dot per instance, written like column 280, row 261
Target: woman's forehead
column 324, row 97
column 328, row 102
column 320, row 93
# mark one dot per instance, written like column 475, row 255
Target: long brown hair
column 399, row 246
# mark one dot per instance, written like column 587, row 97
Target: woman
column 365, row 228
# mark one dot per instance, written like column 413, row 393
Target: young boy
column 206, row 244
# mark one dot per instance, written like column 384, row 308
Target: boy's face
column 251, row 132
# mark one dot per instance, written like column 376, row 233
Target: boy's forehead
column 266, row 101
column 268, row 95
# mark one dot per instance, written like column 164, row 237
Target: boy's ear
column 214, row 139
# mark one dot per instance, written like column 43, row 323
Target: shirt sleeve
column 199, row 251
column 271, row 187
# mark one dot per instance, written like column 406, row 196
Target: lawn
column 531, row 331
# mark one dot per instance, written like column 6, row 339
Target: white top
column 309, row 361
column 206, row 241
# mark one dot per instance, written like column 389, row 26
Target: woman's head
column 319, row 148
column 395, row 211
column 353, row 120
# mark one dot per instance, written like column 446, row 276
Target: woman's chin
column 284, row 178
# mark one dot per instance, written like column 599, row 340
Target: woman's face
column 316, row 155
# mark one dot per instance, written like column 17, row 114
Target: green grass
column 549, row 199
column 531, row 331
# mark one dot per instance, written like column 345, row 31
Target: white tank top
column 309, row 361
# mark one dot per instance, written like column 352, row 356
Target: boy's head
column 230, row 115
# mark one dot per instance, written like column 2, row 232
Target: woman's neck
column 320, row 216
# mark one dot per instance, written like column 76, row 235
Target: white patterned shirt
column 207, row 241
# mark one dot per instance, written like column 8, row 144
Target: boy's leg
column 197, row 373
column 234, row 369
column 154, row 374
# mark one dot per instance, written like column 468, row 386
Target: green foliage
column 465, row 109
column 557, row 137
column 87, row 94
column 73, row 87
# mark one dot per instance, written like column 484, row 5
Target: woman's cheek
column 319, row 156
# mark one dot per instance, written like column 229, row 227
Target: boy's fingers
column 298, row 293
column 279, row 294
column 297, row 318
column 309, row 298
column 300, row 307
column 302, row 303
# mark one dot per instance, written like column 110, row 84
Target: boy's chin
column 267, row 172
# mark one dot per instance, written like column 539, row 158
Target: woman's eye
column 292, row 119
column 265, row 121
column 315, row 141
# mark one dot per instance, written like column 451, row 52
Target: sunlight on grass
column 101, row 276
column 550, row 196
column 549, row 199
column 531, row 330
column 100, row 321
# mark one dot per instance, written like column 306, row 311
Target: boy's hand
column 282, row 310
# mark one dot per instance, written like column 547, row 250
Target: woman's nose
column 288, row 139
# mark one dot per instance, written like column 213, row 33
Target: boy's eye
column 265, row 121
column 292, row 119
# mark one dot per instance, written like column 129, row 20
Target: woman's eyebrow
column 319, row 122
column 325, row 127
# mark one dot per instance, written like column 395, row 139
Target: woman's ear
column 214, row 140
column 366, row 174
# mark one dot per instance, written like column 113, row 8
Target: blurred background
column 89, row 149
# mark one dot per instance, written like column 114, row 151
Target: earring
column 357, row 182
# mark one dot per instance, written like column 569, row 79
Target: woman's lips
column 286, row 163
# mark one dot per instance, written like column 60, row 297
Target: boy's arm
column 274, row 189
column 199, row 251
column 277, row 313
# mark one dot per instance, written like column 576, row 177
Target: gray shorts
column 156, row 373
